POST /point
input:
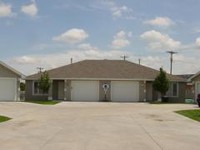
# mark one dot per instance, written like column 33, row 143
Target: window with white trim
column 173, row 89
column 36, row 89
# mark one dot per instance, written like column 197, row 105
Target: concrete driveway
column 97, row 126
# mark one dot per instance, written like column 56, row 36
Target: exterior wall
column 190, row 92
column 18, row 90
column 4, row 72
column 50, row 93
column 181, row 94
column 156, row 95
column 179, row 99
column 149, row 91
column 55, row 89
column 29, row 92
column 146, row 91
column 197, row 78
column 67, row 90
column 142, row 91
column 194, row 90
column 102, row 93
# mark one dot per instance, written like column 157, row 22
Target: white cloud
column 153, row 61
column 72, row 36
column 159, row 41
column 195, row 30
column 26, row 60
column 28, row 64
column 198, row 42
column 118, row 11
column 30, row 9
column 182, row 64
column 87, row 46
column 121, row 39
column 5, row 10
column 160, row 21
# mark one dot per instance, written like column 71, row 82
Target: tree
column 161, row 83
column 22, row 86
column 44, row 82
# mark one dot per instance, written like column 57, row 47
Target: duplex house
column 100, row 80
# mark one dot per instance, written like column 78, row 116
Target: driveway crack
column 148, row 134
column 49, row 139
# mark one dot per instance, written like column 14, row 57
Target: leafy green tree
column 161, row 83
column 44, row 82
column 22, row 86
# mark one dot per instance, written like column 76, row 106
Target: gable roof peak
column 11, row 69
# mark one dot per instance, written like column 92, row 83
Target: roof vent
column 71, row 60
column 124, row 57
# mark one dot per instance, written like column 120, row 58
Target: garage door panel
column 85, row 91
column 7, row 89
column 125, row 91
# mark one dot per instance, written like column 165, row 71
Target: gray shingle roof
column 185, row 76
column 104, row 69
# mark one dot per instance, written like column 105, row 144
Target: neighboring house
column 84, row 81
column 190, row 86
column 194, row 81
column 9, row 83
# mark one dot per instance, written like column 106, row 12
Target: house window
column 36, row 89
column 173, row 89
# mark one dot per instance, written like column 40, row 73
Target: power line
column 40, row 69
column 171, row 59
column 188, row 48
column 195, row 65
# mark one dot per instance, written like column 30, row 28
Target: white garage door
column 7, row 89
column 124, row 91
column 85, row 91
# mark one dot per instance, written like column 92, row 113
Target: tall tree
column 44, row 82
column 161, row 83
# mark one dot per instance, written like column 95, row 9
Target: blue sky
column 47, row 33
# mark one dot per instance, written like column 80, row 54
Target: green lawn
column 158, row 102
column 4, row 118
column 193, row 114
column 43, row 102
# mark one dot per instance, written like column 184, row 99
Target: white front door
column 125, row 91
column 8, row 89
column 85, row 90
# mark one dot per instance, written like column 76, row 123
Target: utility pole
column 139, row 60
column 171, row 59
column 40, row 69
column 71, row 60
column 124, row 57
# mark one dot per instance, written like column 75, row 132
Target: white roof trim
column 11, row 69
column 195, row 75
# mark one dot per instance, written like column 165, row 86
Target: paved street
column 97, row 126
